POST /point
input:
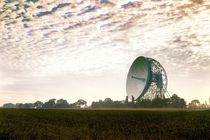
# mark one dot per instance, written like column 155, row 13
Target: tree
column 144, row 103
column 194, row 104
column 80, row 103
column 28, row 105
column 108, row 103
column 49, row 104
column 158, row 102
column 19, row 105
column 177, row 102
column 61, row 103
column 108, row 100
column 38, row 104
column 9, row 105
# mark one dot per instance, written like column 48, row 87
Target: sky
column 83, row 49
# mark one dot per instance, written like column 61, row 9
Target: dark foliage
column 39, row 124
column 174, row 102
column 52, row 103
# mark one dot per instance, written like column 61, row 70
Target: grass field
column 104, row 124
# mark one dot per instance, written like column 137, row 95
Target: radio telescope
column 146, row 79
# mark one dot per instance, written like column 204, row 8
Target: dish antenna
column 146, row 79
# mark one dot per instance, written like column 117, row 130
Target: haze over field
column 76, row 49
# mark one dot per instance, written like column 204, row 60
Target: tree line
column 173, row 102
column 52, row 103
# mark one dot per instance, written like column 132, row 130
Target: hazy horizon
column 83, row 49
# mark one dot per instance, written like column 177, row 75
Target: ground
column 104, row 124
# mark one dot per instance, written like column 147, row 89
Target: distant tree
column 118, row 104
column 109, row 103
column 144, row 103
column 95, row 104
column 61, row 103
column 167, row 102
column 9, row 105
column 19, row 105
column 108, row 100
column 203, row 105
column 158, row 102
column 38, row 104
column 49, row 104
column 100, row 103
column 194, row 104
column 28, row 105
column 177, row 102
column 80, row 103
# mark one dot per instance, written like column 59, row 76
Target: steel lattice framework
column 147, row 79
column 158, row 81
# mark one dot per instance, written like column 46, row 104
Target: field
column 104, row 124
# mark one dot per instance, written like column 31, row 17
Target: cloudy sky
column 76, row 49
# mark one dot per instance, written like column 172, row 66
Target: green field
column 122, row 124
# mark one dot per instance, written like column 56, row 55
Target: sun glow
column 82, row 41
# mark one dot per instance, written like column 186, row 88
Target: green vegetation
column 173, row 102
column 104, row 124
column 52, row 103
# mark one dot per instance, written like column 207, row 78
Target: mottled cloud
column 45, row 41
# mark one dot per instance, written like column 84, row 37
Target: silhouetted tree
column 177, row 102
column 118, row 104
column 157, row 102
column 109, row 103
column 144, row 103
column 28, row 105
column 80, row 103
column 61, row 103
column 19, row 105
column 9, row 105
column 194, row 104
column 49, row 104
column 38, row 104
column 108, row 100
